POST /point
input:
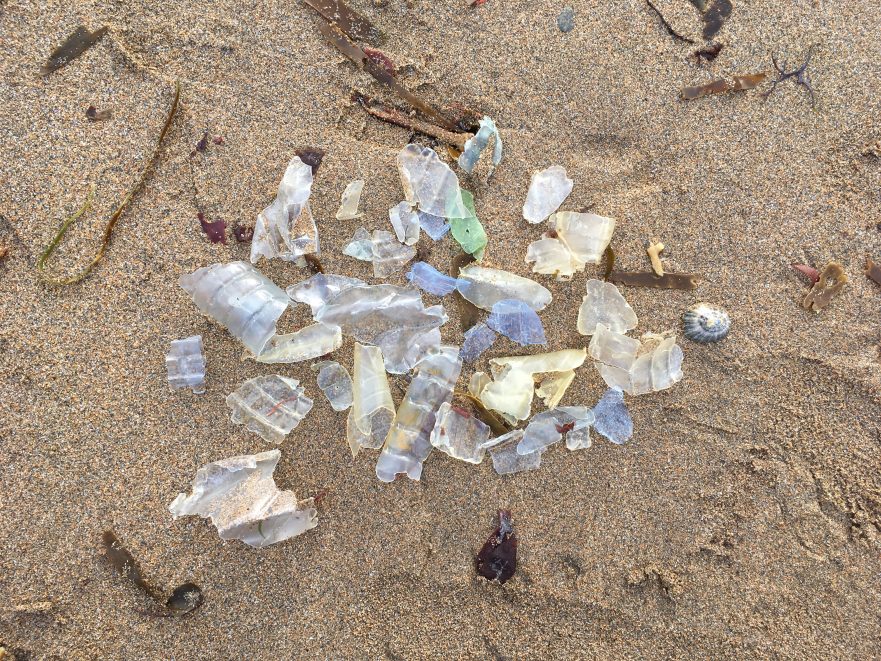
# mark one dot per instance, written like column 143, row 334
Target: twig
column 394, row 116
column 667, row 25
column 801, row 76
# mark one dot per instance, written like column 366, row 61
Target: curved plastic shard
column 467, row 231
column 336, row 384
column 286, row 228
column 459, row 434
column 604, row 304
column 408, row 444
column 552, row 257
column 242, row 500
column 320, row 288
column 510, row 394
column 185, row 363
column 429, row 279
column 389, row 255
column 554, row 386
column 548, row 427
column 405, row 222
column 270, row 406
column 612, row 419
column 349, row 202
column 547, row 190
column 632, row 366
column 506, row 461
column 475, row 146
column 612, row 348
column 372, row 407
column 541, row 363
column 478, row 339
column 586, row 235
column 435, row 226
column 430, row 183
column 517, row 321
column 361, row 246
column 484, row 287
column 240, row 298
column 313, row 341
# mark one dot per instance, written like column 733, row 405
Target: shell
column 703, row 323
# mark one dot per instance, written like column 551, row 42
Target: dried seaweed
column 243, row 233
column 311, row 156
column 809, row 272
column 497, row 560
column 740, row 83
column 95, row 115
column 392, row 115
column 609, row 256
column 831, row 282
column 715, row 17
column 468, row 312
column 353, row 24
column 485, row 415
column 215, row 230
column 111, row 223
column 801, row 76
column 666, row 24
column 873, row 271
column 313, row 263
column 75, row 45
column 184, row 599
column 708, row 53
column 652, row 281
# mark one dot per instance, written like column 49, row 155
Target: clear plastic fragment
column 541, row 363
column 506, row 461
column 372, row 407
column 408, row 443
column 185, row 363
column 585, row 235
column 485, row 287
column 604, row 304
column 405, row 222
column 336, row 384
column 612, row 419
column 430, row 183
column 467, row 231
column 549, row 427
column 552, row 257
column 547, row 190
column 240, row 298
column 270, row 406
column 554, row 386
column 478, row 339
column 383, row 249
column 613, row 349
column 634, row 367
column 517, row 321
column 429, row 279
column 510, row 394
column 349, row 202
column 242, row 500
column 475, row 146
column 435, row 226
column 320, row 288
column 459, row 434
column 312, row 341
column 361, row 246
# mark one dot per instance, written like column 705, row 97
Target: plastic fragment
column 405, row 222
column 349, row 202
column 632, row 366
column 383, row 249
column 612, row 348
column 270, row 406
column 430, row 183
column 484, row 287
column 318, row 289
column 185, row 363
column 551, row 257
column 336, row 384
column 586, row 235
column 831, row 282
column 547, row 190
column 506, row 461
column 435, row 226
column 242, row 500
column 510, row 394
column 467, row 231
column 497, row 560
column 478, row 339
column 541, row 363
column 240, row 298
column 612, row 419
column 361, row 246
column 604, row 304
column 430, row 280
column 475, row 146
column 408, row 443
column 554, row 386
column 372, row 406
column 517, row 321
column 75, row 45
column 548, row 427
column 310, row 342
column 459, row 434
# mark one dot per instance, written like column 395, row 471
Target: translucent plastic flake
column 517, row 321
column 349, row 203
column 429, row 279
column 285, row 228
column 552, row 257
column 475, row 146
column 430, row 183
column 270, row 406
column 549, row 427
column 613, row 349
column 405, row 222
column 485, row 287
column 336, row 384
column 604, row 304
column 459, row 434
column 361, row 246
column 185, row 363
column 313, row 341
column 478, row 339
column 541, row 363
column 372, row 407
column 242, row 500
column 389, row 255
column 547, row 190
column 467, row 231
column 554, row 386
column 240, row 298
column 408, row 443
column 506, row 461
column 586, row 235
column 657, row 364
column 612, row 419
column 435, row 226
column 510, row 394
column 320, row 288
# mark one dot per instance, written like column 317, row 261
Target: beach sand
column 741, row 520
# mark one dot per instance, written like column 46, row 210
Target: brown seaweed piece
column 831, row 282
column 609, row 256
column 354, row 25
column 873, row 271
column 708, row 53
column 649, row 279
column 720, row 86
column 469, row 313
column 95, row 115
column 497, row 560
column 667, row 26
column 184, row 599
column 111, row 223
column 487, row 417
column 387, row 113
column 311, row 156
column 715, row 17
column 75, row 45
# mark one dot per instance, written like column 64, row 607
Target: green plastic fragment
column 468, row 232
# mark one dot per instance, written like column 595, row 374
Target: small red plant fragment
column 809, row 272
column 497, row 560
column 216, row 230
column 243, row 233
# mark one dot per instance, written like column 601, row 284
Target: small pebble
column 566, row 20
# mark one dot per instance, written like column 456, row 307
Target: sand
column 742, row 520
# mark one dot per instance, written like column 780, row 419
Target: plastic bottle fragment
column 459, row 434
column 510, row 394
column 372, row 406
column 517, row 321
column 186, row 364
column 405, row 222
column 286, row 228
column 270, row 406
column 429, row 279
column 541, row 363
column 547, row 190
column 554, row 386
column 604, row 304
column 613, row 348
column 349, row 202
column 320, row 288
column 430, row 183
column 497, row 560
column 478, row 339
column 408, row 444
column 484, row 287
column 336, row 384
column 467, row 231
column 310, row 342
column 506, row 461
column 361, row 246
column 242, row 500
column 240, row 298
column 548, row 427
column 635, row 367
column 551, row 257
column 586, row 235
column 435, row 226
column 475, row 146
column 611, row 417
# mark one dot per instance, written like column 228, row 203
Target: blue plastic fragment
column 478, row 339
column 516, row 320
column 435, row 226
column 429, row 279
column 612, row 417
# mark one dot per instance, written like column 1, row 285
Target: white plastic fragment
column 336, row 384
column 547, row 190
column 242, row 500
column 430, row 183
column 586, row 235
column 506, row 461
column 307, row 343
column 604, row 304
column 475, row 146
column 185, row 363
column 382, row 248
column 405, row 222
column 552, row 257
column 486, row 286
column 320, row 288
column 349, row 202
column 240, row 298
column 554, row 386
column 635, row 367
column 372, row 407
column 549, row 427
column 270, row 406
column 613, row 349
column 510, row 394
column 459, row 434
column 541, row 363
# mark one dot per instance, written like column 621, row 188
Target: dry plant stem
column 801, row 76
column 667, row 26
column 398, row 118
column 114, row 218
